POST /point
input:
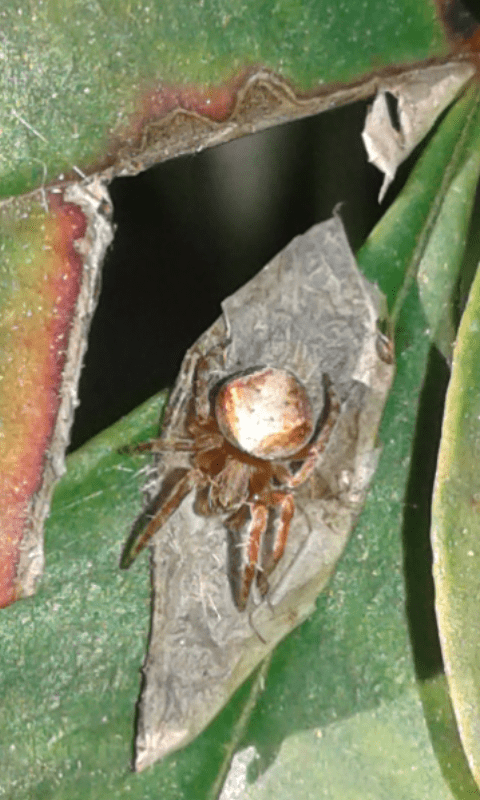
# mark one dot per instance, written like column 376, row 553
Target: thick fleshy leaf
column 85, row 87
column 456, row 529
column 48, row 288
column 437, row 203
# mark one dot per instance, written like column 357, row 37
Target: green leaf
column 81, row 80
column 382, row 753
column 48, row 286
column 456, row 529
column 37, row 250
column 396, row 248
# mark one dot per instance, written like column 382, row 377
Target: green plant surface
column 76, row 77
column 86, row 631
column 71, row 655
column 456, row 529
column 40, row 275
column 378, row 753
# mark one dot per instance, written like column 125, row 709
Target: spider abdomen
column 265, row 412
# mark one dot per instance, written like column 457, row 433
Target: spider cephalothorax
column 243, row 438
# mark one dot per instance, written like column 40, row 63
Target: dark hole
column 392, row 106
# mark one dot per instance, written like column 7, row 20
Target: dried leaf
column 420, row 98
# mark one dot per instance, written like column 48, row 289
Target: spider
column 251, row 441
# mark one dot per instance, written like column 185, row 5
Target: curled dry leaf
column 420, row 99
column 309, row 312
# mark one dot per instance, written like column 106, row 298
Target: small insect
column 251, row 441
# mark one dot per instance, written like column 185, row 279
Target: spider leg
column 168, row 499
column 329, row 417
column 284, row 505
column 206, row 441
column 293, row 479
column 256, row 527
column 204, row 368
column 156, row 446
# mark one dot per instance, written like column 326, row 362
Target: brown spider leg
column 293, row 479
column 195, row 367
column 207, row 441
column 157, row 446
column 176, row 403
column 258, row 523
column 164, row 505
column 201, row 384
column 285, row 504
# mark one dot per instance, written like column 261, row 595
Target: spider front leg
column 174, row 489
column 197, row 430
column 205, row 366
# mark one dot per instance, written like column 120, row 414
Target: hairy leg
column 169, row 498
